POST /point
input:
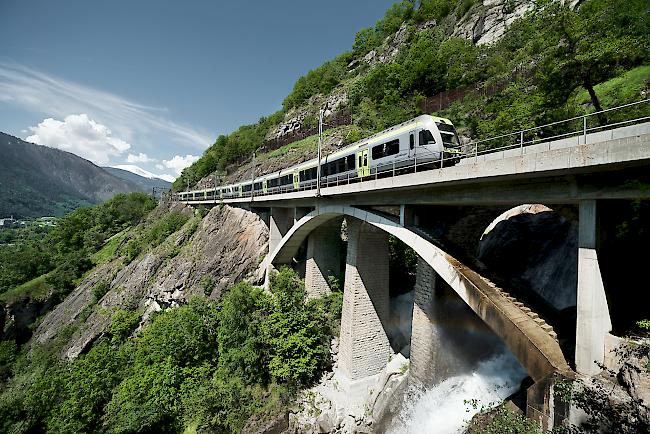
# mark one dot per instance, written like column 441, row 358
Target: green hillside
column 545, row 64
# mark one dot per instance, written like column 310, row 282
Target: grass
column 36, row 288
column 625, row 88
column 107, row 252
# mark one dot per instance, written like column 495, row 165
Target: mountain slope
column 37, row 180
column 146, row 183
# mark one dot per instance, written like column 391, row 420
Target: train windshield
column 448, row 134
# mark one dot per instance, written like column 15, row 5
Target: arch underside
column 536, row 350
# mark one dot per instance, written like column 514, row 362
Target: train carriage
column 421, row 143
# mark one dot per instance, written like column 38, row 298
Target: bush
column 207, row 284
column 297, row 337
column 123, row 324
column 242, row 348
column 100, row 289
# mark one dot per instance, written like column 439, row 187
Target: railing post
column 415, row 167
column 393, row 169
column 521, row 142
column 584, row 129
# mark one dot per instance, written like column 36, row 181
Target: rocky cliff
column 203, row 258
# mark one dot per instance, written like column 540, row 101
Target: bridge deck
column 465, row 180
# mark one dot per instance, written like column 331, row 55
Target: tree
column 589, row 45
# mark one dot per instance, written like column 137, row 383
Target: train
column 422, row 143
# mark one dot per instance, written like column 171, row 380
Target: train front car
column 446, row 138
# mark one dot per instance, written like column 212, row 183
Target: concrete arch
column 535, row 349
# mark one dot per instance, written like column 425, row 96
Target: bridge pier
column 323, row 258
column 364, row 347
column 423, row 336
column 593, row 321
column 280, row 221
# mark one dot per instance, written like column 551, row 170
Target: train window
column 257, row 186
column 426, row 138
column 273, row 183
column 286, row 179
column 448, row 134
column 340, row 165
column 385, row 150
column 308, row 174
column 360, row 161
column 350, row 165
column 411, row 140
column 246, row 187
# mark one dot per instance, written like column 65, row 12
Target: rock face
column 489, row 21
column 325, row 408
column 225, row 248
column 537, row 248
column 294, row 120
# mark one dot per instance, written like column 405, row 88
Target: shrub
column 242, row 348
column 207, row 284
column 297, row 337
column 100, row 289
column 123, row 324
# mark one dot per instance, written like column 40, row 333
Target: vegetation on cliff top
column 542, row 62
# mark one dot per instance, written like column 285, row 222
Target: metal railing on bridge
column 576, row 127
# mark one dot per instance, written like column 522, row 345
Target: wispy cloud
column 53, row 96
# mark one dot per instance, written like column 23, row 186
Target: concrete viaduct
column 580, row 171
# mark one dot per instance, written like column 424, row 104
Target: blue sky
column 152, row 83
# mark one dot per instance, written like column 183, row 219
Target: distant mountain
column 144, row 179
column 37, row 181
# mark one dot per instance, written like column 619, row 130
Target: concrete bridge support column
column 280, row 221
column 323, row 258
column 300, row 212
column 423, row 338
column 593, row 321
column 364, row 347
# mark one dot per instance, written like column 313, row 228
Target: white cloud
column 54, row 96
column 178, row 163
column 142, row 172
column 80, row 135
column 160, row 167
column 140, row 158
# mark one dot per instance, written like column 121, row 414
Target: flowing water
column 447, row 407
column 477, row 369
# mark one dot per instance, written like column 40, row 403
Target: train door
column 241, row 191
column 412, row 144
column 363, row 168
column 265, row 187
column 296, row 180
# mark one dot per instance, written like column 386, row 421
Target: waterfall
column 445, row 408
column 476, row 369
